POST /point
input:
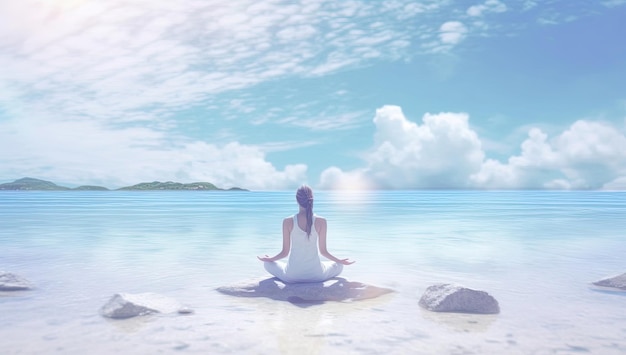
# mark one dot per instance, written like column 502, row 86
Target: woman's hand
column 346, row 261
column 265, row 258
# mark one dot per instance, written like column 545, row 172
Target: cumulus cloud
column 445, row 152
column 523, row 171
column 114, row 78
column 88, row 153
column 439, row 153
column 588, row 155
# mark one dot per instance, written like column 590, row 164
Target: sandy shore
column 390, row 324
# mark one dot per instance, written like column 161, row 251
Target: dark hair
column 304, row 196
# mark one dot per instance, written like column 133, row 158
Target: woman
column 301, row 235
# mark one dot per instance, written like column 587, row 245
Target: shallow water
column 536, row 252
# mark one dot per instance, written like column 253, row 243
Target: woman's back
column 304, row 260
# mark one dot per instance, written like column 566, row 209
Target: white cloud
column 85, row 153
column 296, row 33
column 452, row 32
column 444, row 152
column 524, row 171
column 529, row 4
column 106, row 59
column 618, row 184
column 587, row 155
column 593, row 153
column 440, row 153
column 487, row 6
column 111, row 70
column 107, row 80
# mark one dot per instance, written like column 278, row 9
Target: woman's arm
column 287, row 226
column 320, row 227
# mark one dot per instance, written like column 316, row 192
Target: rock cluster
column 437, row 298
column 617, row 282
column 12, row 282
column 454, row 298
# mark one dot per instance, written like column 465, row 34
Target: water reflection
column 534, row 248
column 305, row 326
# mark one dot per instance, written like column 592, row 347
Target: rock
column 616, row 282
column 12, row 282
column 337, row 289
column 185, row 310
column 127, row 305
column 452, row 298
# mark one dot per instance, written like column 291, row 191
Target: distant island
column 31, row 184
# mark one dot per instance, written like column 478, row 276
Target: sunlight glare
column 351, row 190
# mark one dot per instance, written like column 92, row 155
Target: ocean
column 536, row 252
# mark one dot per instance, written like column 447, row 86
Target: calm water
column 536, row 252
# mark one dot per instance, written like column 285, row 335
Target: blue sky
column 268, row 95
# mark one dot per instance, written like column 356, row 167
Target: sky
column 354, row 94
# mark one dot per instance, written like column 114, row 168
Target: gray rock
column 12, row 282
column 127, row 305
column 337, row 289
column 617, row 282
column 453, row 298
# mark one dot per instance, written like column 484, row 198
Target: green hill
column 169, row 185
column 42, row 185
column 32, row 184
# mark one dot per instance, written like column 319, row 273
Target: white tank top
column 304, row 260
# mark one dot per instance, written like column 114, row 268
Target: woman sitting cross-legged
column 303, row 233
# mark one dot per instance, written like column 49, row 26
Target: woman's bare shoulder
column 288, row 221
